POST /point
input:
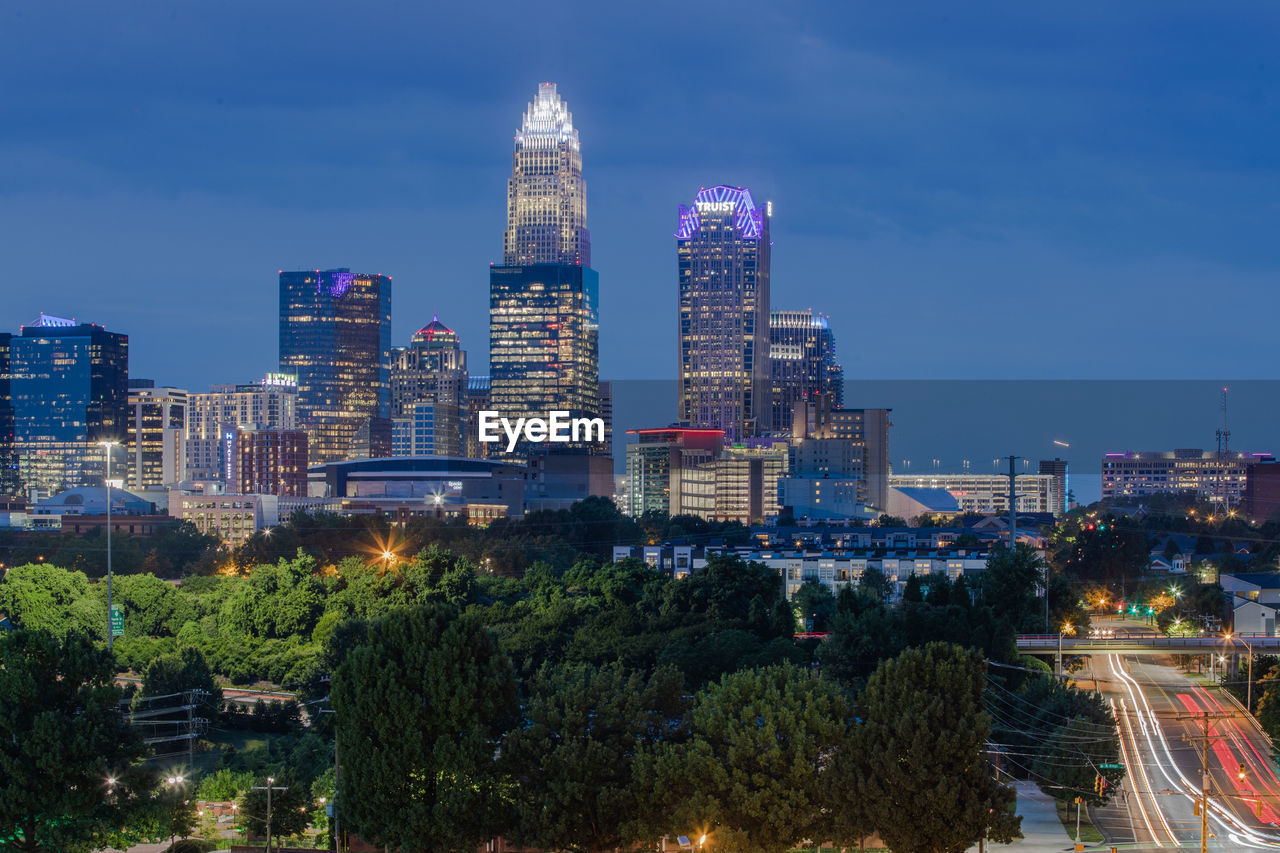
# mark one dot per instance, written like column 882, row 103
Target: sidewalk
column 1042, row 832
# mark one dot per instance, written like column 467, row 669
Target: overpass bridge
column 1148, row 644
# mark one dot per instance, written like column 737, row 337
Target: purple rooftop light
column 339, row 283
column 747, row 220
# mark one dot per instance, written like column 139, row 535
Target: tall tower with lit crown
column 722, row 248
column 543, row 298
column 546, row 196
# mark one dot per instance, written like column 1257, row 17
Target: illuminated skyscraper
column 70, row 390
column 335, row 336
column 802, row 358
column 546, row 196
column 428, row 393
column 10, row 485
column 543, row 299
column 157, row 435
column 722, row 246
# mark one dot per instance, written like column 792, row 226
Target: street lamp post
column 1249, row 690
column 107, row 447
column 172, row 782
column 1067, row 628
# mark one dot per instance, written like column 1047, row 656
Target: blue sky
column 986, row 190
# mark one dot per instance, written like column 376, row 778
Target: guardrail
column 1236, row 644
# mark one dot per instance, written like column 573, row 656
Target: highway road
column 1157, row 710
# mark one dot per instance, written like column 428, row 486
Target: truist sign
column 557, row 428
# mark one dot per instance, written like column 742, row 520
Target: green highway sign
column 1111, row 766
column 117, row 621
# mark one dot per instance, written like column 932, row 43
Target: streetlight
column 1249, row 692
column 1067, row 628
column 107, row 446
column 172, row 782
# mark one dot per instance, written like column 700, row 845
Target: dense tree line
column 575, row 709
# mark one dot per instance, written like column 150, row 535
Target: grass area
column 1089, row 833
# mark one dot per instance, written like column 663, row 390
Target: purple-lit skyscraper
column 335, row 336
column 722, row 245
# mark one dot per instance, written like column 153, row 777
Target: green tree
column 177, row 673
column 1069, row 760
column 70, row 771
column 1269, row 706
column 913, row 592
column 575, row 755
column 754, row 767
column 421, row 706
column 922, row 753
column 43, row 597
column 814, row 606
column 1010, row 585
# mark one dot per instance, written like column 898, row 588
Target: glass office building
column 544, row 340
column 544, row 298
column 10, row 483
column 335, row 337
column 803, row 364
column 69, row 387
column 722, row 250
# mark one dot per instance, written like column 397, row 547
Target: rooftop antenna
column 1224, row 449
column 1224, row 434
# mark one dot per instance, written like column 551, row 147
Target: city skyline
column 1063, row 188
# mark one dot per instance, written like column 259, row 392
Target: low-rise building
column 232, row 518
column 833, row 569
column 1219, row 478
column 989, row 493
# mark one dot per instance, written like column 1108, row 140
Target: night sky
column 987, row 190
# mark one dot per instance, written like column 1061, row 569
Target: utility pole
column 1013, row 507
column 337, row 827
column 107, row 447
column 1204, row 741
column 269, row 787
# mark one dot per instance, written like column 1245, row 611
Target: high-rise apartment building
column 157, row 435
column 722, row 248
column 335, row 336
column 546, row 195
column 214, row 417
column 866, row 428
column 1057, row 468
column 70, row 389
column 544, row 298
column 270, row 462
column 428, row 393
column 803, row 363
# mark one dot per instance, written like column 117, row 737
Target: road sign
column 117, row 621
column 1111, row 766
